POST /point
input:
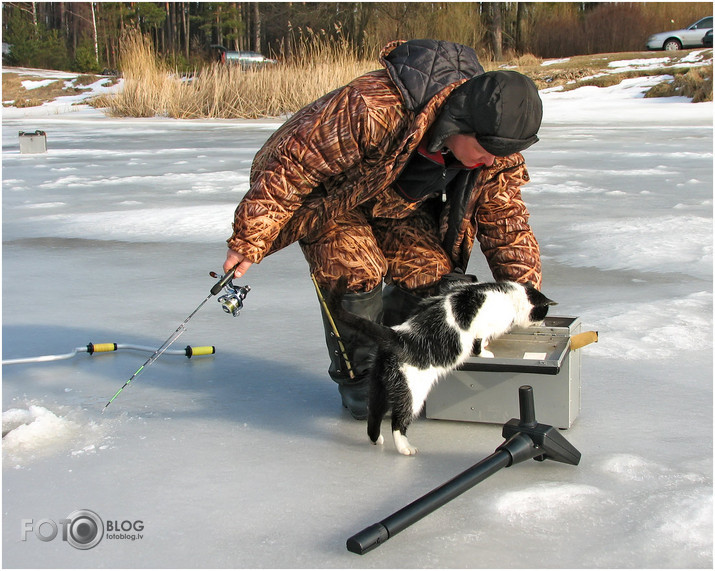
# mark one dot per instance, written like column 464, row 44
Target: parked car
column 708, row 39
column 245, row 59
column 690, row 37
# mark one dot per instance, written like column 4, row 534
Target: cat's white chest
column 420, row 382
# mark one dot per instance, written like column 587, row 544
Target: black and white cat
column 444, row 331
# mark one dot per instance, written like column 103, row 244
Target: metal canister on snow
column 33, row 142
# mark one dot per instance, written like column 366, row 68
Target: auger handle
column 199, row 351
column 93, row 348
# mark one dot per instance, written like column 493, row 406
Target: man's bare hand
column 233, row 258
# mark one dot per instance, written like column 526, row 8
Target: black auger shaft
column 525, row 439
column 378, row 533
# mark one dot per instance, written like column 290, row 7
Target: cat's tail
column 370, row 328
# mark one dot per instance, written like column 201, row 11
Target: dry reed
column 313, row 66
column 318, row 65
column 695, row 83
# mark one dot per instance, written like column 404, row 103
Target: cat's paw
column 403, row 445
column 486, row 354
column 380, row 440
column 408, row 450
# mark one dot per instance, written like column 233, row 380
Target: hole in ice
column 35, row 431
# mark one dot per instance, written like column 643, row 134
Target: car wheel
column 672, row 45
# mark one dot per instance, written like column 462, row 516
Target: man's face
column 468, row 151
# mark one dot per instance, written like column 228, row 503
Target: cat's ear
column 538, row 298
column 543, row 300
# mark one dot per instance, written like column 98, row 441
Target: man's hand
column 233, row 258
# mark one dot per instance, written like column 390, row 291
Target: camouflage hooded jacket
column 346, row 149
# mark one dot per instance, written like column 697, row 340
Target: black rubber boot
column 353, row 381
column 398, row 304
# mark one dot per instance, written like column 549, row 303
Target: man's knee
column 349, row 251
column 422, row 272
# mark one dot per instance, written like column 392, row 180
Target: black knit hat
column 502, row 108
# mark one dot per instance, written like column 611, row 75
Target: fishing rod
column 334, row 327
column 231, row 301
column 93, row 348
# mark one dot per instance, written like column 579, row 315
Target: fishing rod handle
column 223, row 281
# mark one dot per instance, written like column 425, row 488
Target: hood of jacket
column 422, row 68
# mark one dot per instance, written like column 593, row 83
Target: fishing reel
column 232, row 300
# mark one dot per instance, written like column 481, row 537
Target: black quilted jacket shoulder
column 422, row 68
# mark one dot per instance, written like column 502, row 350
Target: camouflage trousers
column 406, row 252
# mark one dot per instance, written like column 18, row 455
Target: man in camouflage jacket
column 393, row 177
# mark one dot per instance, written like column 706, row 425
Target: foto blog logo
column 82, row 529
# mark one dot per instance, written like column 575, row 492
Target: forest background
column 89, row 36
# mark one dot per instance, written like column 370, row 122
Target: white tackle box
column 486, row 389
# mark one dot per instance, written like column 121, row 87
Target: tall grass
column 315, row 66
column 695, row 83
column 311, row 66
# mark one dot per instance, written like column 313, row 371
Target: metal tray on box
column 539, row 349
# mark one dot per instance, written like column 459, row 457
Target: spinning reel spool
column 231, row 301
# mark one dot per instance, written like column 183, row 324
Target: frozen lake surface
column 246, row 458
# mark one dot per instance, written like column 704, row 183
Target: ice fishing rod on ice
column 231, row 301
column 93, row 348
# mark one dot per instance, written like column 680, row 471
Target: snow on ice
column 246, row 459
